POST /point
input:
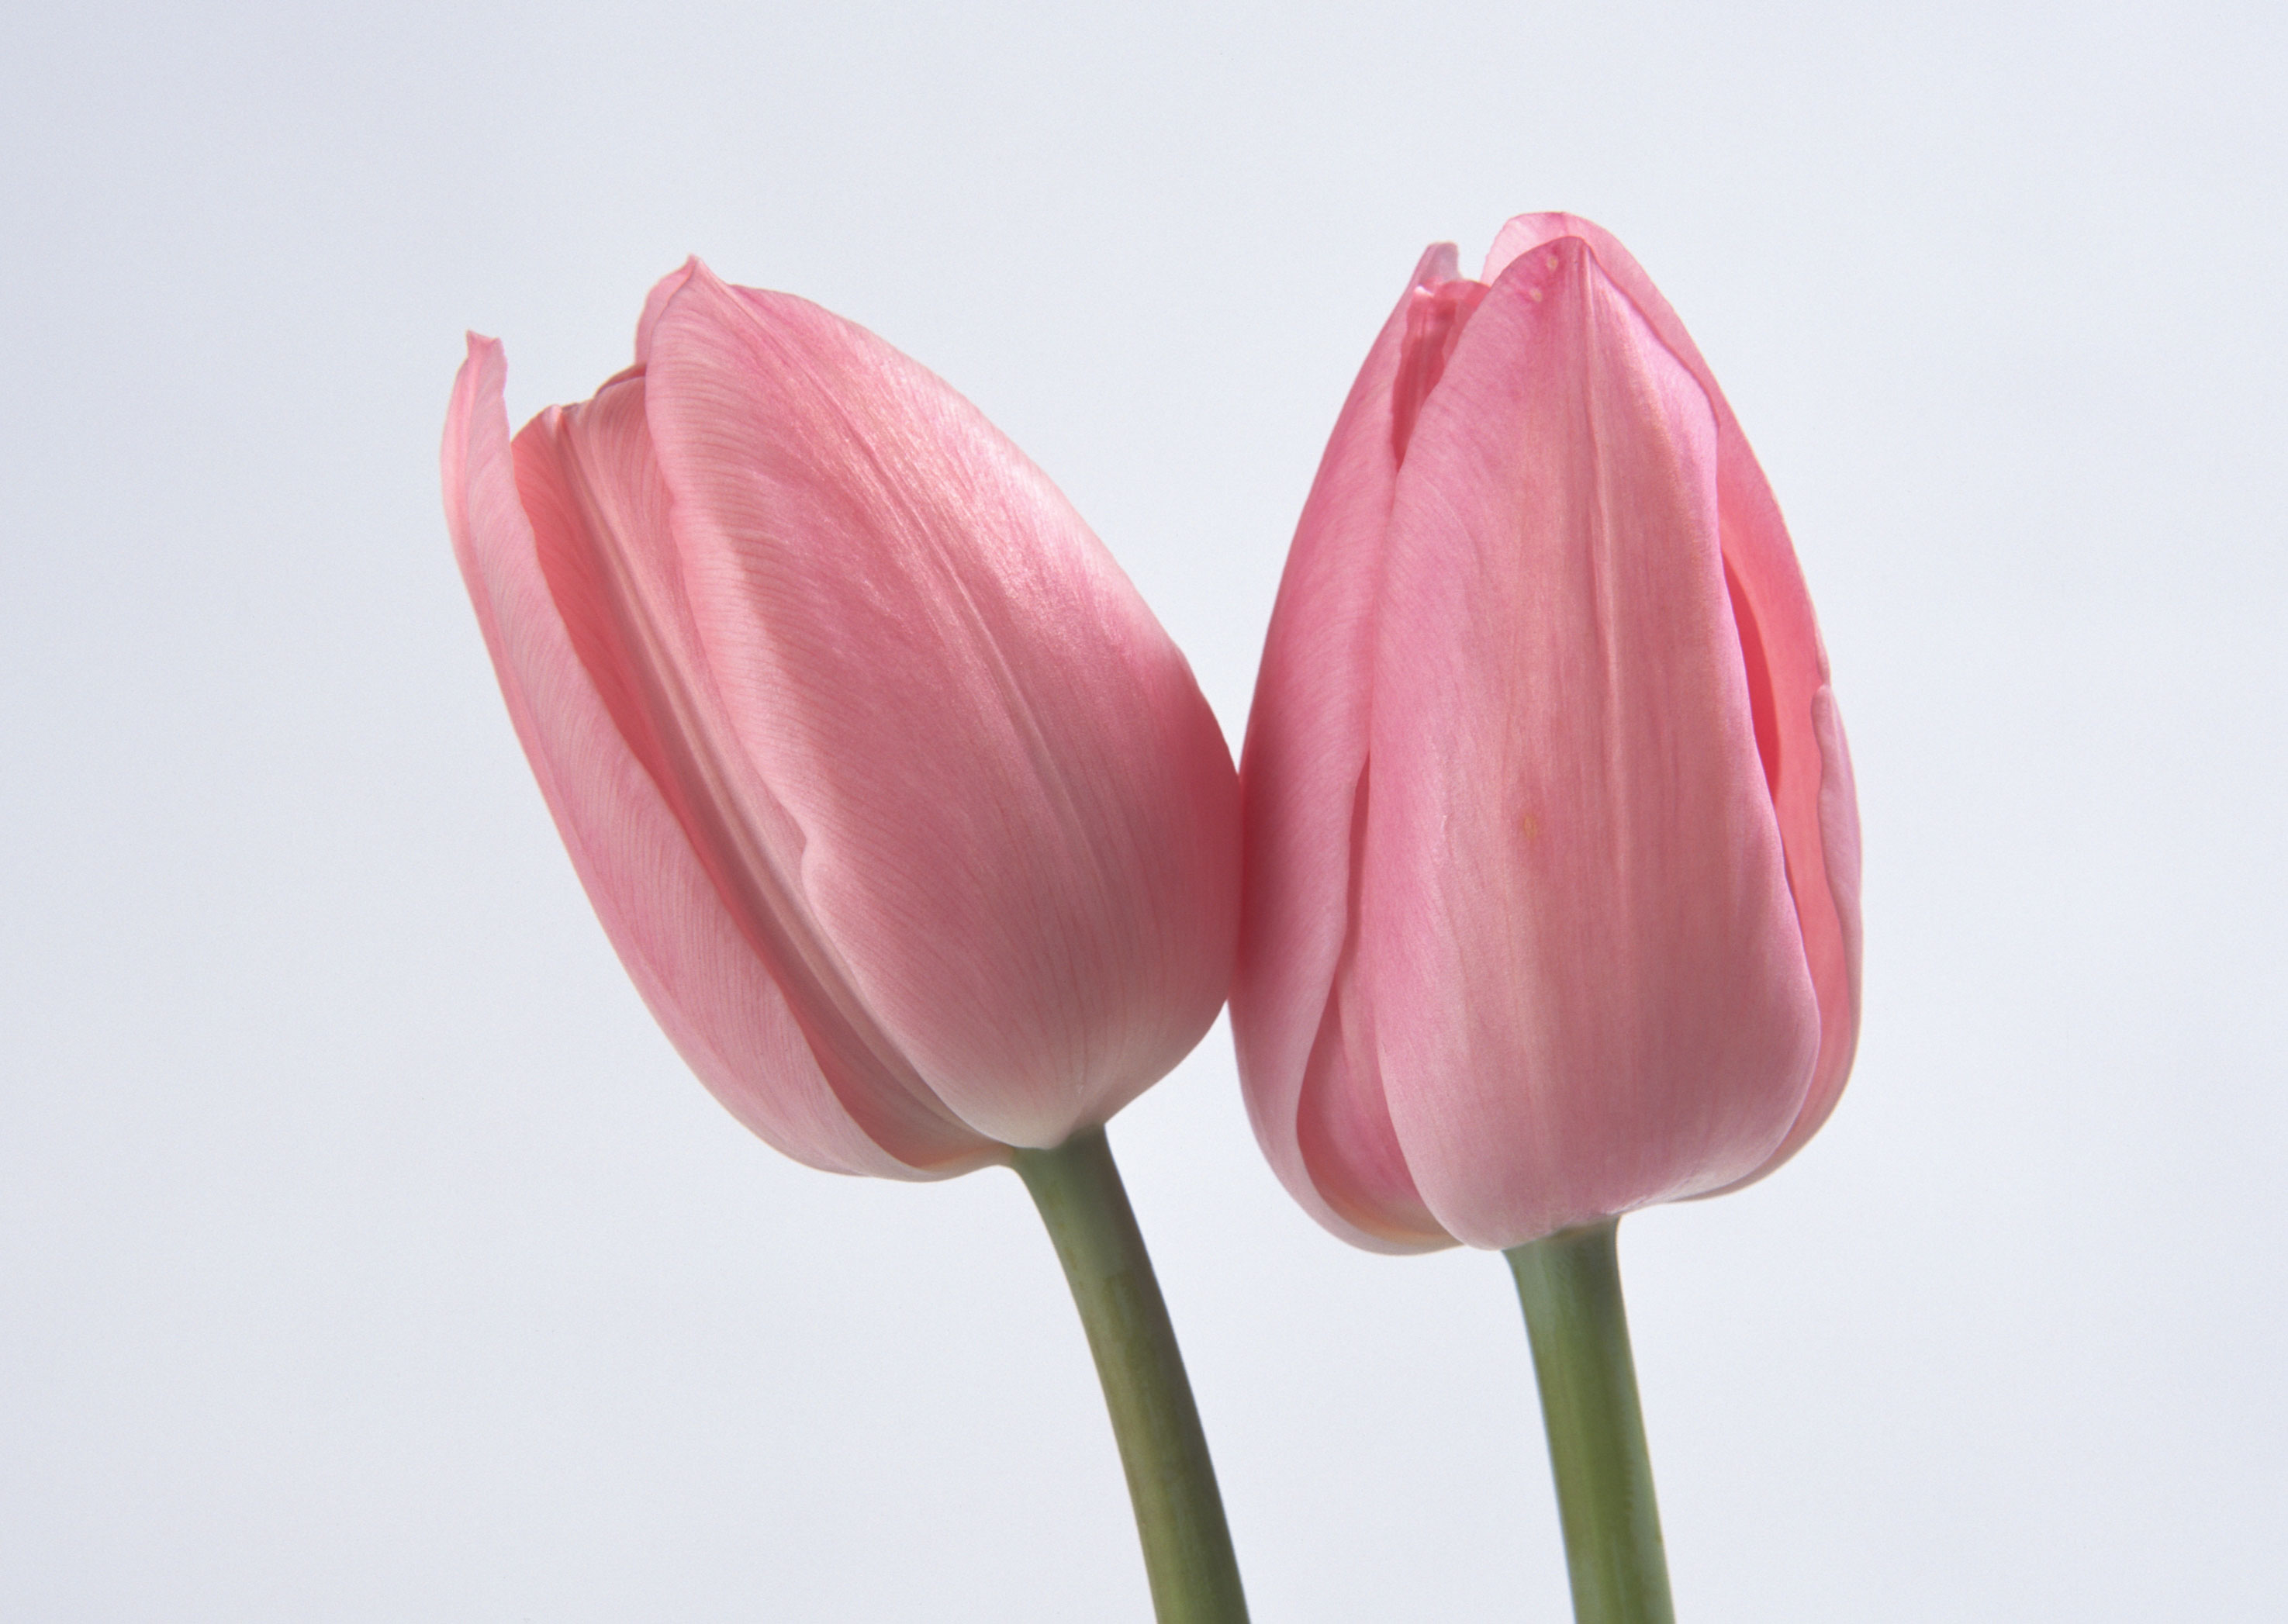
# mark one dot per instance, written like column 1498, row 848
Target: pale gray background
column 366, row 1254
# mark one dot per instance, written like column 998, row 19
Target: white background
column 366, row 1254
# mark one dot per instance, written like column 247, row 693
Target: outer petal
column 1017, row 819
column 1781, row 637
column 657, row 903
column 1305, row 1059
column 1589, row 989
column 590, row 485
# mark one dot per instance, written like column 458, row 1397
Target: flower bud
column 906, row 817
column 1551, row 847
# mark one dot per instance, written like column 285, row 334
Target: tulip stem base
column 1571, row 1286
column 1187, row 1552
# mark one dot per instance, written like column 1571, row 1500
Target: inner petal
column 1761, row 710
column 1342, row 1119
column 1434, row 320
column 600, row 520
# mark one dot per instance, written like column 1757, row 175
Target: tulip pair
column 917, row 837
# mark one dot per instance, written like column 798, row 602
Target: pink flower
column 904, row 813
column 1552, row 848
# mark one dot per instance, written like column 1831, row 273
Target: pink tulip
column 905, row 815
column 1552, row 848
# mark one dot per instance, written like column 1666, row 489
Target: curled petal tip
column 1441, row 262
column 481, row 356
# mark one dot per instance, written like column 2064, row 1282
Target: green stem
column 1170, row 1481
column 1571, row 1284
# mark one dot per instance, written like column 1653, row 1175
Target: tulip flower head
column 904, row 814
column 1552, row 848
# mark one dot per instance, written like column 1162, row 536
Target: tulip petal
column 656, row 901
column 1302, row 778
column 1342, row 1127
column 1015, row 816
column 1839, row 836
column 1775, row 612
column 1589, row 989
column 599, row 515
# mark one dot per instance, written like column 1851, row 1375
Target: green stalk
column 1571, row 1284
column 1170, row 1481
